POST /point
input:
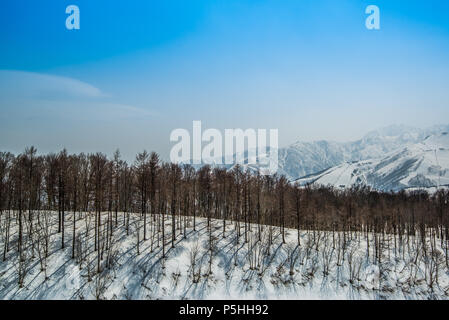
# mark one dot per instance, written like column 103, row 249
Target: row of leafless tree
column 32, row 184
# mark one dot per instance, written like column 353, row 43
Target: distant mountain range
column 391, row 158
column 304, row 158
column 421, row 165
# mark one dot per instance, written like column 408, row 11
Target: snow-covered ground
column 253, row 270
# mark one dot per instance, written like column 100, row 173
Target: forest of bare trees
column 104, row 194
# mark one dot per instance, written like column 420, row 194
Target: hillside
column 324, row 266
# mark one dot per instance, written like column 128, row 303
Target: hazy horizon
column 136, row 71
column 130, row 157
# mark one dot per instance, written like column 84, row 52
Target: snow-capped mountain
column 304, row 158
column 364, row 161
column 421, row 165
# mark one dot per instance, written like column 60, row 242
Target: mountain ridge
column 422, row 165
column 308, row 162
column 303, row 158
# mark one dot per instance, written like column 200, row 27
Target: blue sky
column 136, row 70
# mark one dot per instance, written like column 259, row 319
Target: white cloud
column 52, row 112
column 42, row 95
column 44, row 86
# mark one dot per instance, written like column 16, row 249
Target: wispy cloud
column 44, row 86
column 32, row 94
column 53, row 112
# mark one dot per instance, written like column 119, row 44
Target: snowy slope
column 421, row 165
column 239, row 270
